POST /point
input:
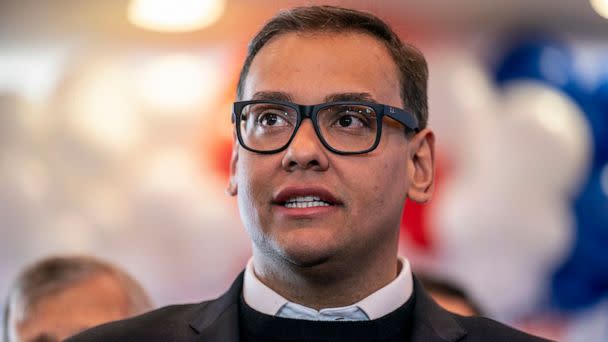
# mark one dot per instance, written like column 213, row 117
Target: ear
column 232, row 188
column 421, row 166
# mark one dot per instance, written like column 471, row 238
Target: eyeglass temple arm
column 406, row 118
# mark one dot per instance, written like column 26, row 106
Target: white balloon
column 503, row 224
column 551, row 138
column 502, row 248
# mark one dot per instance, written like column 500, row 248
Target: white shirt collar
column 382, row 302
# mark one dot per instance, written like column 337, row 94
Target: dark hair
column 56, row 274
column 413, row 70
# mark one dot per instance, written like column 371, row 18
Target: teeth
column 305, row 202
column 304, row 199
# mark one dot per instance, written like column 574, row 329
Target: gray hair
column 55, row 274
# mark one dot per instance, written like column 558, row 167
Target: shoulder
column 167, row 323
column 485, row 329
column 433, row 320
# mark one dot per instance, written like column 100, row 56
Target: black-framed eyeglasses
column 342, row 127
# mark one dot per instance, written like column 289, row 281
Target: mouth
column 299, row 198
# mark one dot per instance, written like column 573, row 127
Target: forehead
column 309, row 66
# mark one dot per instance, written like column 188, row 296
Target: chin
column 304, row 250
column 305, row 259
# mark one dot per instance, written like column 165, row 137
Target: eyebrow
column 272, row 96
column 336, row 97
column 357, row 97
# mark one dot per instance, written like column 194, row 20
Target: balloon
column 545, row 60
column 583, row 279
column 555, row 64
column 598, row 117
column 591, row 77
column 589, row 325
column 488, row 236
column 508, row 213
column 581, row 75
column 551, row 139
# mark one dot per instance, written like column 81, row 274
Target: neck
column 333, row 283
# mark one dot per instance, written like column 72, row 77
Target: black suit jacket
column 218, row 320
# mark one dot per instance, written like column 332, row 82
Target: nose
column 305, row 150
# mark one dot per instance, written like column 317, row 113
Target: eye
column 349, row 121
column 353, row 117
column 271, row 119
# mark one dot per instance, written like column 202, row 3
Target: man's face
column 86, row 304
column 366, row 192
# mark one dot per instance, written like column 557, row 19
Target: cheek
column 251, row 174
column 254, row 179
column 247, row 191
column 382, row 186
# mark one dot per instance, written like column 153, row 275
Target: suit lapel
column 431, row 322
column 218, row 320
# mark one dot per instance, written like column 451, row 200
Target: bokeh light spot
column 601, row 7
column 175, row 15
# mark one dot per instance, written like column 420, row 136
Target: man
column 331, row 139
column 60, row 296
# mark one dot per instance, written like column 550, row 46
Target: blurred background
column 115, row 138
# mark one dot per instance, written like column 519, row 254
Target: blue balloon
column 583, row 279
column 544, row 60
column 597, row 114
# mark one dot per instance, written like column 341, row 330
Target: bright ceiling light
column 601, row 7
column 175, row 15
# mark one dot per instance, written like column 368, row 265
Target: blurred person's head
column 60, row 296
column 450, row 296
